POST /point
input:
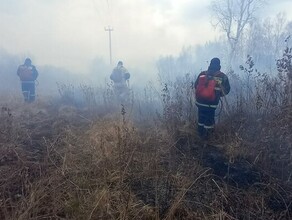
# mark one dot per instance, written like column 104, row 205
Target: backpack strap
column 215, row 74
column 204, row 73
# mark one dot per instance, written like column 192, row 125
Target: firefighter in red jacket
column 28, row 75
column 210, row 86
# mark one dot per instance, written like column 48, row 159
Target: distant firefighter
column 120, row 76
column 28, row 75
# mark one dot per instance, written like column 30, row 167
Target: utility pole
column 109, row 29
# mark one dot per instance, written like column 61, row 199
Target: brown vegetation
column 99, row 160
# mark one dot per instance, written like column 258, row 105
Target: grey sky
column 70, row 33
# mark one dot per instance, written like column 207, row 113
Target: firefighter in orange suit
column 210, row 86
column 120, row 76
column 28, row 75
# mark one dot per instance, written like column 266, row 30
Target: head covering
column 214, row 65
column 27, row 61
column 120, row 63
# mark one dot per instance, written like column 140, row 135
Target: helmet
column 215, row 61
column 27, row 61
column 215, row 64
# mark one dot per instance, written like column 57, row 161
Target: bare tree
column 233, row 17
column 284, row 66
column 265, row 40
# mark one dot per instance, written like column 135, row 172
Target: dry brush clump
column 119, row 171
column 21, row 156
column 64, row 167
column 260, row 122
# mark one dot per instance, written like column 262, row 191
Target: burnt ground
column 237, row 181
column 237, row 172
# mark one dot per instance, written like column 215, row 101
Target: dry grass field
column 65, row 159
column 66, row 162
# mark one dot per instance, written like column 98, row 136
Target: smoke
column 8, row 77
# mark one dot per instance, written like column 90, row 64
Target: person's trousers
column 28, row 90
column 206, row 121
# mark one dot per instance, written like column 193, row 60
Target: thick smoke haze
column 66, row 39
column 71, row 33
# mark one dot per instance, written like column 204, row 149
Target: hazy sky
column 70, row 33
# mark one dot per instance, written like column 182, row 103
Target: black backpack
column 117, row 75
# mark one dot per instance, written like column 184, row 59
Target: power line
column 109, row 29
column 105, row 18
column 98, row 11
column 109, row 6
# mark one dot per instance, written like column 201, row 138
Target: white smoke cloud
column 70, row 33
